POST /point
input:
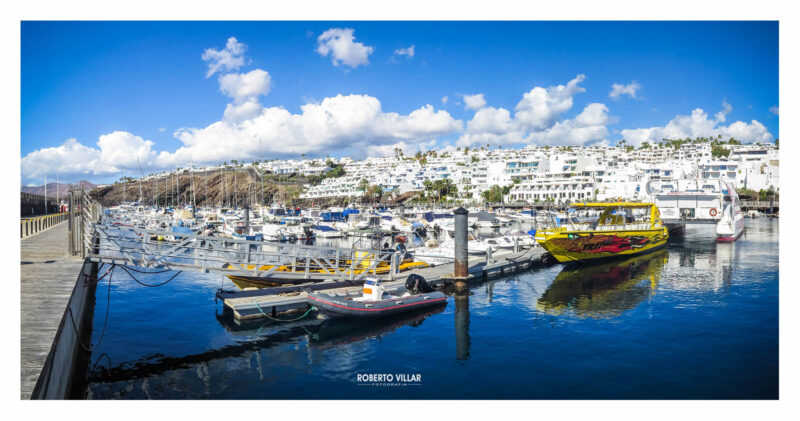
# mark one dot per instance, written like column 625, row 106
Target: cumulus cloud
column 491, row 120
column 340, row 44
column 242, row 111
column 352, row 121
column 587, row 127
column 537, row 120
column 229, row 58
column 474, row 102
column 540, row 108
column 242, row 87
column 120, row 150
column 408, row 52
column 619, row 89
column 70, row 159
column 698, row 124
column 116, row 151
column 595, row 114
column 774, row 109
column 721, row 115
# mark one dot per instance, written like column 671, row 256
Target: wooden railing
column 30, row 226
column 760, row 204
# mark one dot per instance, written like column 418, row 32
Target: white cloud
column 243, row 111
column 445, row 99
column 117, row 151
column 618, row 90
column 340, row 44
column 594, row 114
column 721, row 115
column 748, row 132
column 229, row 58
column 587, row 127
column 70, row 159
column 540, row 108
column 536, row 120
column 120, row 150
column 353, row 122
column 408, row 52
column 774, row 109
column 491, row 120
column 162, row 129
column 698, row 125
column 242, row 87
column 474, row 102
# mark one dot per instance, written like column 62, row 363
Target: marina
column 288, row 294
column 662, row 316
column 399, row 210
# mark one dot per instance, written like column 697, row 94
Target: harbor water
column 698, row 320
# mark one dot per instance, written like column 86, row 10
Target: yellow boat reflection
column 604, row 289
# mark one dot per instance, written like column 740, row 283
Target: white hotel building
column 550, row 174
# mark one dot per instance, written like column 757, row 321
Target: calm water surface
column 697, row 320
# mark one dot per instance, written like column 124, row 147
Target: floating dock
column 272, row 302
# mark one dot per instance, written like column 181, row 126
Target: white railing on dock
column 141, row 247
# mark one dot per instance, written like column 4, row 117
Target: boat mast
column 140, row 180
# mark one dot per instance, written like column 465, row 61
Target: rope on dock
column 91, row 347
column 125, row 268
column 281, row 320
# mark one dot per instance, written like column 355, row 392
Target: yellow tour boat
column 622, row 229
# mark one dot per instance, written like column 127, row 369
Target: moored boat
column 622, row 229
column 373, row 302
column 731, row 223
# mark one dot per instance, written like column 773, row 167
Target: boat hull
column 577, row 246
column 730, row 232
column 335, row 306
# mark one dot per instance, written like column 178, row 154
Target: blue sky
column 144, row 86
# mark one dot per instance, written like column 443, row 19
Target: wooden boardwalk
column 48, row 276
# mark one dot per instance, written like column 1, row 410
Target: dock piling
column 461, row 269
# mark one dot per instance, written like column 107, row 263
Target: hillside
column 223, row 188
column 61, row 188
column 228, row 188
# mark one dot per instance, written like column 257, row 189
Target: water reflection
column 462, row 326
column 604, row 289
column 336, row 332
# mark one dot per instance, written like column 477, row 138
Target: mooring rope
column 90, row 347
column 148, row 285
column 145, row 271
column 282, row 320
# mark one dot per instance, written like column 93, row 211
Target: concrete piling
column 461, row 269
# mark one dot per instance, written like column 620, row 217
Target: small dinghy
column 374, row 303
